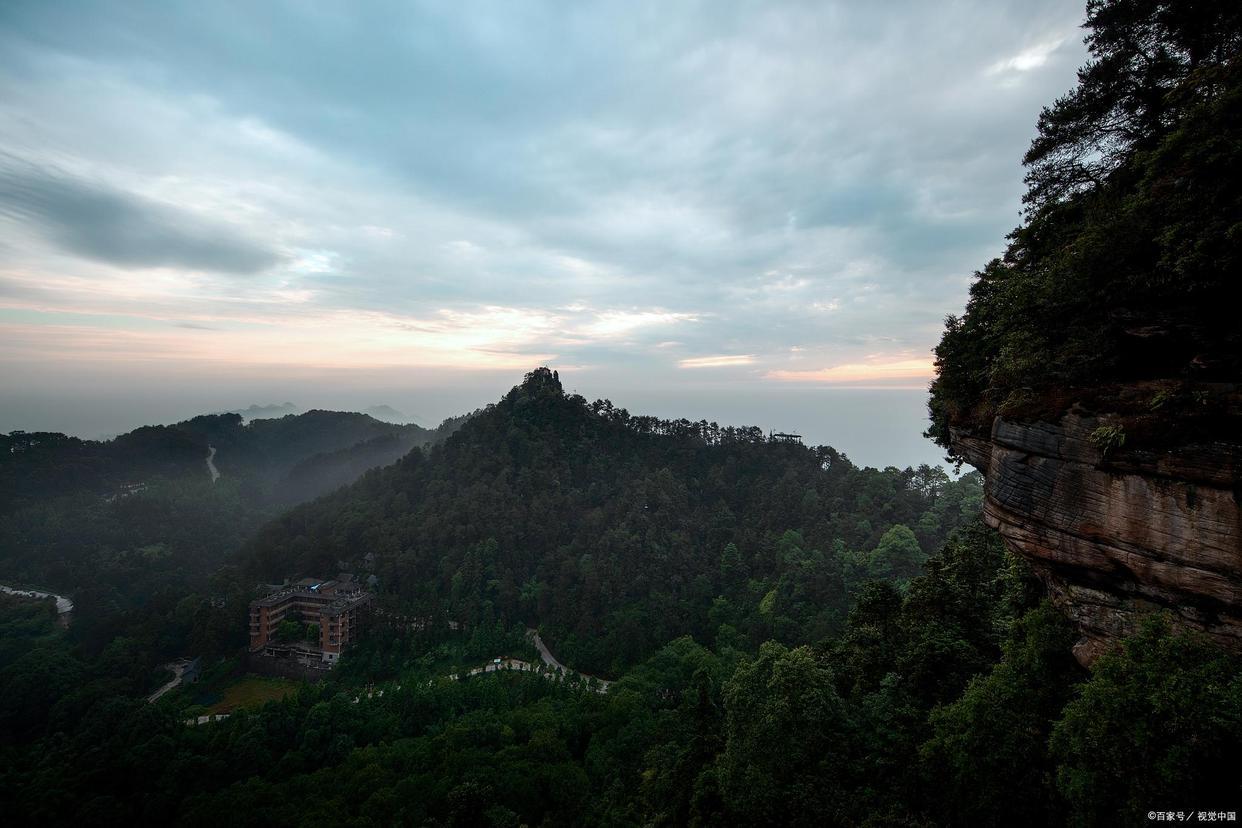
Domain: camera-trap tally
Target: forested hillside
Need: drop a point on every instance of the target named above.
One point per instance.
(618, 533)
(136, 530)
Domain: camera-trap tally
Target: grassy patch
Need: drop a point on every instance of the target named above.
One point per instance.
(252, 691)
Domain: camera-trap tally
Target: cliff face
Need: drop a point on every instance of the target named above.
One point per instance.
(1115, 537)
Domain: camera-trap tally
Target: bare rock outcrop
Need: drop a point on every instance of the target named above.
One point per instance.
(1115, 537)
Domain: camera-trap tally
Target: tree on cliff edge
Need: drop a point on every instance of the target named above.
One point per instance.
(1125, 266)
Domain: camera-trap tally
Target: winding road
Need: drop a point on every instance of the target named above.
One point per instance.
(544, 652)
(63, 604)
(550, 660)
(211, 464)
(178, 669)
(495, 665)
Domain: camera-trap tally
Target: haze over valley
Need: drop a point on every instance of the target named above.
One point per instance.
(880, 427)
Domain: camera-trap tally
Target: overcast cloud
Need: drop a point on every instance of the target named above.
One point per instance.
(681, 195)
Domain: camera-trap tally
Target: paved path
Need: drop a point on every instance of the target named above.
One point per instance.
(550, 660)
(498, 664)
(178, 669)
(492, 666)
(63, 604)
(211, 464)
(544, 652)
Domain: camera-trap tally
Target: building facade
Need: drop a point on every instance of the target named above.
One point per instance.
(340, 609)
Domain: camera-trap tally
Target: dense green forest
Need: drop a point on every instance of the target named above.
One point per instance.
(619, 533)
(953, 700)
(793, 639)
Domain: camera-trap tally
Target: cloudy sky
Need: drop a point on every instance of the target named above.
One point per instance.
(682, 206)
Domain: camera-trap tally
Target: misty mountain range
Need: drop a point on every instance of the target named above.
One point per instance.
(384, 413)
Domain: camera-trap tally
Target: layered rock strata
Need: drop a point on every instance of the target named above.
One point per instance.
(1116, 537)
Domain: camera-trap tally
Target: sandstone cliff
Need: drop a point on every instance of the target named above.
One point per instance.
(1118, 534)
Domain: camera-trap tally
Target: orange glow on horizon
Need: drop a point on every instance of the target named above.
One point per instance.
(869, 371)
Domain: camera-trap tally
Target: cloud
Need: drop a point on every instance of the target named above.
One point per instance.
(636, 186)
(723, 361)
(875, 370)
(90, 219)
(1030, 58)
(616, 323)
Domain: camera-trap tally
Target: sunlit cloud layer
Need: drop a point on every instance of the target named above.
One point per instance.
(717, 361)
(868, 371)
(770, 193)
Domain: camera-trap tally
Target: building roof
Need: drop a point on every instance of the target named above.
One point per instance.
(330, 594)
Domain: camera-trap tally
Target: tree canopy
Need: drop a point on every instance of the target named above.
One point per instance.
(1124, 271)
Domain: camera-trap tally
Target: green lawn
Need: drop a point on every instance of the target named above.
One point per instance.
(252, 691)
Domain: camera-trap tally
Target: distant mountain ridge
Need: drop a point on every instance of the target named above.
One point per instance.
(382, 412)
(387, 414)
(259, 412)
(276, 455)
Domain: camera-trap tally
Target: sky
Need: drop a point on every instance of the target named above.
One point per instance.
(751, 212)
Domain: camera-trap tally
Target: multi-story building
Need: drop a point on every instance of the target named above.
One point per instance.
(340, 609)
